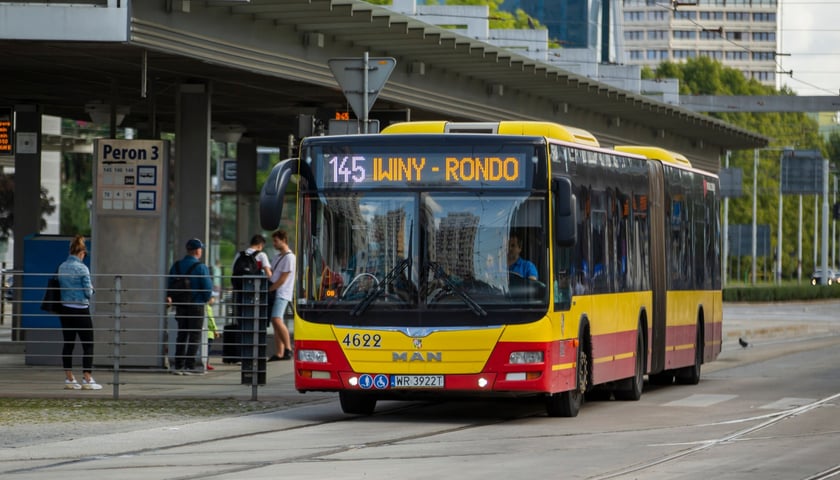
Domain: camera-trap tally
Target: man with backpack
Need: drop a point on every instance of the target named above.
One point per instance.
(251, 261)
(247, 264)
(189, 289)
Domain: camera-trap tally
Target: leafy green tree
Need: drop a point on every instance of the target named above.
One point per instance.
(832, 149)
(76, 194)
(704, 76)
(7, 206)
(498, 18)
(75, 210)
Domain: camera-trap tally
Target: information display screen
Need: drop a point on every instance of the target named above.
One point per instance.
(6, 129)
(395, 168)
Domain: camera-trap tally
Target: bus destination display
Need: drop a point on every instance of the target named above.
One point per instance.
(378, 170)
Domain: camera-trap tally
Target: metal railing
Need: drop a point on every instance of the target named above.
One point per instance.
(135, 333)
(70, 3)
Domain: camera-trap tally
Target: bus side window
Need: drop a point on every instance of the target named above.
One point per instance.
(563, 281)
(562, 289)
(580, 267)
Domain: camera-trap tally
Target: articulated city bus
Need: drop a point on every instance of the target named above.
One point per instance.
(503, 259)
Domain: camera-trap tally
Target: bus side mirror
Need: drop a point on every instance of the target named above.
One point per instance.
(565, 213)
(273, 191)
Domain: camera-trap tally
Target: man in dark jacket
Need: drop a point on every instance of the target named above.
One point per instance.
(190, 314)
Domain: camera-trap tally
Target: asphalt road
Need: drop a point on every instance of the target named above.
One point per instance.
(766, 411)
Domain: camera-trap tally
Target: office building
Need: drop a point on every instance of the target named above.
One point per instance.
(741, 34)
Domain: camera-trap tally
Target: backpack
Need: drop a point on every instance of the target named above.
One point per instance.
(180, 288)
(245, 265)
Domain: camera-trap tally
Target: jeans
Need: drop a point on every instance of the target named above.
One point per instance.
(76, 321)
(279, 307)
(190, 319)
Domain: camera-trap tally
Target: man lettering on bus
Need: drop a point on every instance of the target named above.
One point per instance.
(517, 264)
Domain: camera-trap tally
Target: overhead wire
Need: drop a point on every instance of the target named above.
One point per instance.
(719, 30)
(674, 5)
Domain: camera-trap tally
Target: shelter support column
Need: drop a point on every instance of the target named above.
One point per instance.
(27, 175)
(27, 187)
(247, 195)
(192, 166)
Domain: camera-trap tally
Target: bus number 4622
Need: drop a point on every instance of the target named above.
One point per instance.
(363, 340)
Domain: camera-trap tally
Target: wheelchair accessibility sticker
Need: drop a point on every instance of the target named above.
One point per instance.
(379, 381)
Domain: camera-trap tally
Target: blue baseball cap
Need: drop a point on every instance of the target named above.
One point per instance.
(194, 244)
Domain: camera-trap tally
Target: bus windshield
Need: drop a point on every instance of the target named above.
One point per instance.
(426, 252)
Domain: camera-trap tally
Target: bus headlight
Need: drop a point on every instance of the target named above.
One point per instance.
(526, 357)
(316, 356)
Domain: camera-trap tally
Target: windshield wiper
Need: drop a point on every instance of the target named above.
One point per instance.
(441, 274)
(371, 295)
(390, 277)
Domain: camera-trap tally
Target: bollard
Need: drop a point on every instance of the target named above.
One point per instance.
(251, 315)
(255, 350)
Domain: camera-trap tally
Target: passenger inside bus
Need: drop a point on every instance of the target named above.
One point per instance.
(562, 288)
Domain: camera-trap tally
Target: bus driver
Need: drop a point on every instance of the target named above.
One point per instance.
(516, 264)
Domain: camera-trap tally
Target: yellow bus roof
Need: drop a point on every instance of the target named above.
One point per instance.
(436, 126)
(540, 129)
(655, 153)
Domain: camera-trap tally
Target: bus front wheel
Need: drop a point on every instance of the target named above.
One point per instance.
(567, 404)
(356, 403)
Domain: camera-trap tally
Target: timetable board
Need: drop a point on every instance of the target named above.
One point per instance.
(130, 176)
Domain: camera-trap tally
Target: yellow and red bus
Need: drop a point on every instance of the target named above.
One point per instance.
(403, 285)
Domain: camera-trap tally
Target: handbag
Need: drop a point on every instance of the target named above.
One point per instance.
(52, 296)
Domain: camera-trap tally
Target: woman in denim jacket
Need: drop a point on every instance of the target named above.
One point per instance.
(76, 290)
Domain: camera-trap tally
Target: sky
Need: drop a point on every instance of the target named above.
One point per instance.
(810, 33)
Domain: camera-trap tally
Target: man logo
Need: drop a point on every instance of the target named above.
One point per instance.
(417, 357)
(418, 343)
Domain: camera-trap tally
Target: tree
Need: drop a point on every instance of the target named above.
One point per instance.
(498, 18)
(7, 206)
(704, 76)
(832, 149)
(75, 209)
(76, 193)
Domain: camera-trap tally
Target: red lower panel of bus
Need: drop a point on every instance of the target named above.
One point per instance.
(613, 356)
(680, 344)
(555, 374)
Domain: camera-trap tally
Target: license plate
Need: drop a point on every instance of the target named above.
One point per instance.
(416, 381)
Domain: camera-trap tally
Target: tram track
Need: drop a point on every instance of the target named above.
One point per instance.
(708, 444)
(241, 467)
(47, 463)
(481, 436)
(317, 456)
(833, 472)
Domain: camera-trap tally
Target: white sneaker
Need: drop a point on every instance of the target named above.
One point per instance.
(91, 385)
(71, 384)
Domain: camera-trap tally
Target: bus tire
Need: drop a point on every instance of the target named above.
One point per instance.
(598, 394)
(631, 388)
(567, 404)
(691, 375)
(357, 404)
